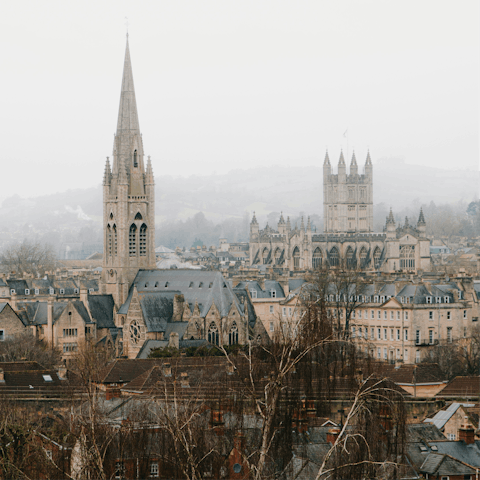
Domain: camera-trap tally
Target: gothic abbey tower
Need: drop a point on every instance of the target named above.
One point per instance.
(128, 200)
(348, 199)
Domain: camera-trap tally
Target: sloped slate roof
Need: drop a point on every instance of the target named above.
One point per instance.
(101, 307)
(18, 285)
(443, 416)
(82, 311)
(263, 292)
(37, 311)
(461, 387)
(204, 287)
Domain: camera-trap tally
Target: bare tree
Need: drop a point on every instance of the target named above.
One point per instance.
(30, 257)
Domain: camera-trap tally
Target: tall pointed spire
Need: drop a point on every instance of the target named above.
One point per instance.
(353, 165)
(390, 218)
(342, 160)
(421, 218)
(106, 175)
(369, 160)
(127, 113)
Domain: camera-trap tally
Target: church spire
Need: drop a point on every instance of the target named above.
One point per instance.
(353, 165)
(327, 159)
(127, 113)
(421, 218)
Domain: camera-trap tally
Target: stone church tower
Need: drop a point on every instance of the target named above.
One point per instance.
(128, 200)
(348, 199)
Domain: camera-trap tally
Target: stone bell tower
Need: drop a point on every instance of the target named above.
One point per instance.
(128, 200)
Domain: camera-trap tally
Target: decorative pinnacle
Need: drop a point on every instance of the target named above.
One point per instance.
(254, 219)
(421, 218)
(390, 218)
(327, 160)
(369, 160)
(354, 160)
(342, 160)
(309, 226)
(282, 220)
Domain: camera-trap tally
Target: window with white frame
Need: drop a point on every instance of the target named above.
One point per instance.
(429, 299)
(62, 291)
(359, 314)
(398, 334)
(430, 315)
(373, 314)
(392, 315)
(51, 291)
(273, 294)
(284, 311)
(353, 313)
(417, 356)
(405, 336)
(385, 353)
(398, 315)
(379, 352)
(353, 332)
(375, 299)
(385, 336)
(379, 333)
(75, 290)
(406, 315)
(372, 333)
(119, 470)
(451, 436)
(271, 308)
(37, 291)
(154, 470)
(430, 336)
(272, 328)
(447, 299)
(417, 336)
(391, 334)
(385, 315)
(379, 314)
(360, 332)
(405, 355)
(27, 291)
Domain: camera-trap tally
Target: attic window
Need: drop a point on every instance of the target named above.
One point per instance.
(434, 448)
(51, 291)
(62, 291)
(429, 299)
(12, 291)
(27, 291)
(423, 448)
(166, 284)
(447, 299)
(75, 290)
(156, 284)
(200, 285)
(47, 378)
(211, 285)
(273, 293)
(90, 290)
(224, 285)
(191, 285)
(37, 291)
(146, 285)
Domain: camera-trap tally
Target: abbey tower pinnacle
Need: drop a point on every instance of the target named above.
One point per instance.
(128, 200)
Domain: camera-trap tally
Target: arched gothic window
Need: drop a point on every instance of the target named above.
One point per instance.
(334, 257)
(265, 255)
(296, 258)
(132, 240)
(213, 334)
(363, 257)
(138, 216)
(317, 258)
(277, 256)
(109, 240)
(350, 258)
(143, 240)
(233, 335)
(115, 240)
(407, 257)
(135, 159)
(376, 257)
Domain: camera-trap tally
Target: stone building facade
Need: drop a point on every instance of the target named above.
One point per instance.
(348, 232)
(128, 200)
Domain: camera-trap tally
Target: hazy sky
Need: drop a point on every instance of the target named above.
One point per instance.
(222, 85)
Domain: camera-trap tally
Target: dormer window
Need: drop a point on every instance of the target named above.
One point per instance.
(166, 284)
(37, 291)
(447, 299)
(375, 299)
(273, 294)
(382, 299)
(253, 293)
(75, 290)
(27, 291)
(191, 285)
(90, 290)
(12, 291)
(62, 291)
(438, 299)
(429, 299)
(51, 291)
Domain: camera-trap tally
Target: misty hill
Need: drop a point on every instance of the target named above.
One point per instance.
(293, 190)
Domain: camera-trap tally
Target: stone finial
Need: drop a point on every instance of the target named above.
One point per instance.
(327, 159)
(282, 220)
(369, 160)
(390, 218)
(354, 160)
(108, 172)
(289, 227)
(341, 162)
(421, 218)
(302, 225)
(309, 226)
(254, 220)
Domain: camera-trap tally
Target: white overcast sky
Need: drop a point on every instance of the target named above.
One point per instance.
(222, 85)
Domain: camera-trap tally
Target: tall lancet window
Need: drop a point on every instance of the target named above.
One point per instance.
(143, 240)
(132, 240)
(233, 335)
(135, 159)
(109, 240)
(115, 240)
(213, 334)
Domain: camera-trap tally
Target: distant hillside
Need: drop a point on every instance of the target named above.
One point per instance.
(292, 190)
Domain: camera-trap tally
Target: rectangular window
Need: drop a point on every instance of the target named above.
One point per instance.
(451, 436)
(417, 356)
(405, 355)
(359, 314)
(379, 314)
(366, 314)
(385, 315)
(353, 332)
(273, 293)
(37, 291)
(284, 311)
(398, 315)
(119, 470)
(379, 333)
(385, 337)
(406, 315)
(253, 293)
(430, 315)
(385, 353)
(154, 469)
(464, 332)
(464, 314)
(448, 316)
(271, 308)
(373, 314)
(392, 315)
(271, 327)
(379, 352)
(27, 291)
(417, 336)
(2, 335)
(391, 334)
(449, 334)
(430, 337)
(353, 313)
(406, 334)
(398, 334)
(290, 311)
